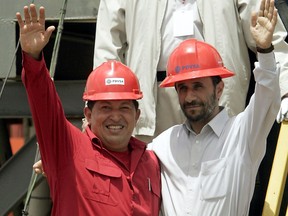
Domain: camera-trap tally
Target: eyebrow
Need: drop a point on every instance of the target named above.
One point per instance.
(194, 83)
(124, 102)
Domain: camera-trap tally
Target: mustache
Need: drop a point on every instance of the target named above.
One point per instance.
(192, 103)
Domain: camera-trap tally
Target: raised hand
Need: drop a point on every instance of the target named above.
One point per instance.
(33, 36)
(263, 24)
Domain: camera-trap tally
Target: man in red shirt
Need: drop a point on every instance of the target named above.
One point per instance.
(103, 170)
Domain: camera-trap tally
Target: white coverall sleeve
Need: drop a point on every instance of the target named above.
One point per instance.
(110, 36)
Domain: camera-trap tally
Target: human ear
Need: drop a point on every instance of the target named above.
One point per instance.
(87, 113)
(219, 89)
(138, 112)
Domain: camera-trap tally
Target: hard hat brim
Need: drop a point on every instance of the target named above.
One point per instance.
(112, 96)
(171, 80)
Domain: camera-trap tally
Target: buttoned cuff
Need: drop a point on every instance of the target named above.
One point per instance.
(267, 61)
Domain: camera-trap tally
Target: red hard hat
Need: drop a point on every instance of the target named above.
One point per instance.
(194, 59)
(112, 80)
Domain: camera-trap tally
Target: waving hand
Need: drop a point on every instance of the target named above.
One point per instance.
(33, 36)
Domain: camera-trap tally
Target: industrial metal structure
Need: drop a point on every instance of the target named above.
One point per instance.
(75, 62)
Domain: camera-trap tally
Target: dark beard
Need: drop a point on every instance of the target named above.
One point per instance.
(205, 113)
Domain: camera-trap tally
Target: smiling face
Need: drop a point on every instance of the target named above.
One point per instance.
(198, 99)
(113, 122)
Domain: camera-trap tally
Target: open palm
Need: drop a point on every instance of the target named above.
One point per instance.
(263, 24)
(33, 36)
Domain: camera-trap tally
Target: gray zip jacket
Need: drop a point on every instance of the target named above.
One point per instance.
(132, 28)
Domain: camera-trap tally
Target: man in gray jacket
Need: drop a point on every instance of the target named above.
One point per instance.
(143, 34)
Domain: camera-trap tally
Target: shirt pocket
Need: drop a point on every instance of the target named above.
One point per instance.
(214, 179)
(155, 188)
(102, 173)
(152, 173)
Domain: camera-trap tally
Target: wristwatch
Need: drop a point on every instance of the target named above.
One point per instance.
(266, 50)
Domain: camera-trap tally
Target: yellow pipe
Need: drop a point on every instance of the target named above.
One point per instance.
(278, 175)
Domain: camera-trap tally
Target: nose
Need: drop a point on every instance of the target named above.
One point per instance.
(115, 116)
(190, 96)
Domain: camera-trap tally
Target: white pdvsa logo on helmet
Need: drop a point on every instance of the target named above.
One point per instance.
(114, 81)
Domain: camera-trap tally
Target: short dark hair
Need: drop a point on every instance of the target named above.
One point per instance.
(216, 80)
(90, 104)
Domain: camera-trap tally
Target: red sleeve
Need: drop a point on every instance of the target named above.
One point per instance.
(53, 131)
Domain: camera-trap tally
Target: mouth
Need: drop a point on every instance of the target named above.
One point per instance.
(115, 127)
(192, 107)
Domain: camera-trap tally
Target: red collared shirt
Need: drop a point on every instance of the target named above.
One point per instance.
(84, 178)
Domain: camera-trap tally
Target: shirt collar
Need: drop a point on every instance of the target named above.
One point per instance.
(217, 124)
